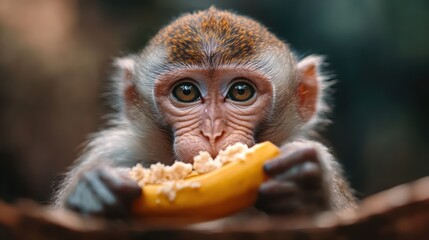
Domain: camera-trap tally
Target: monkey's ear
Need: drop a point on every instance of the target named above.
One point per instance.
(124, 78)
(309, 88)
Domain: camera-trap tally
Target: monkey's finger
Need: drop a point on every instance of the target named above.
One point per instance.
(292, 204)
(284, 162)
(315, 198)
(275, 188)
(119, 184)
(99, 187)
(280, 205)
(311, 176)
(307, 174)
(83, 200)
(113, 204)
(123, 188)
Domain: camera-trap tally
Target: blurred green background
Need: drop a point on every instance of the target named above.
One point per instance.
(55, 58)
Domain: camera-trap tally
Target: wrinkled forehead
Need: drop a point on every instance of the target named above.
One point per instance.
(213, 38)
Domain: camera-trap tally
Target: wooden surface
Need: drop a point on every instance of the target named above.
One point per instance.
(399, 213)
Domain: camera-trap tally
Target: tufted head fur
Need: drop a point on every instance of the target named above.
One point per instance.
(216, 38)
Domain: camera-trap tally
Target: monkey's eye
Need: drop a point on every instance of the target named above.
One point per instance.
(186, 92)
(241, 92)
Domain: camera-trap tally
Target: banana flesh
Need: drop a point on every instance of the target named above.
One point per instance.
(219, 193)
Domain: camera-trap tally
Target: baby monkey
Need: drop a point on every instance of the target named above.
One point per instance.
(206, 81)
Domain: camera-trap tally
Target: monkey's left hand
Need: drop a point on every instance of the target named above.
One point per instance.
(296, 182)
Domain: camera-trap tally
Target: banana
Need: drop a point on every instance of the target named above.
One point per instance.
(219, 193)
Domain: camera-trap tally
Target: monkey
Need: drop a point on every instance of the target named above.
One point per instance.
(208, 80)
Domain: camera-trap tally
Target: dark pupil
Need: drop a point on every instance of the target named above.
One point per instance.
(187, 89)
(241, 89)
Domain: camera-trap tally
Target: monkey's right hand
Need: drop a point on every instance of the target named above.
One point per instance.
(103, 191)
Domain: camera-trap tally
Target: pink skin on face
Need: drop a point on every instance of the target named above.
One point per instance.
(214, 121)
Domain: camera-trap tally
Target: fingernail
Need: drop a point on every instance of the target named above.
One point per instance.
(267, 167)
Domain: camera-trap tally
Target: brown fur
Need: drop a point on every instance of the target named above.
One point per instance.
(215, 37)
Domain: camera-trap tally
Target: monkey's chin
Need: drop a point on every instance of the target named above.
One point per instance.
(186, 150)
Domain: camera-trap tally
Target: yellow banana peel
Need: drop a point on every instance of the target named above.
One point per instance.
(222, 192)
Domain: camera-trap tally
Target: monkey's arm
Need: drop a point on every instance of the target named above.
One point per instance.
(305, 178)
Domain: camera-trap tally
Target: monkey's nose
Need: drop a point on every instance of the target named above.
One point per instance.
(213, 136)
(213, 129)
(213, 139)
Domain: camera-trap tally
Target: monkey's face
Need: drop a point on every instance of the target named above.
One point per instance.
(216, 79)
(211, 109)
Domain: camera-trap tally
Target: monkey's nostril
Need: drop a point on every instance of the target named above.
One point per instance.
(218, 135)
(204, 134)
